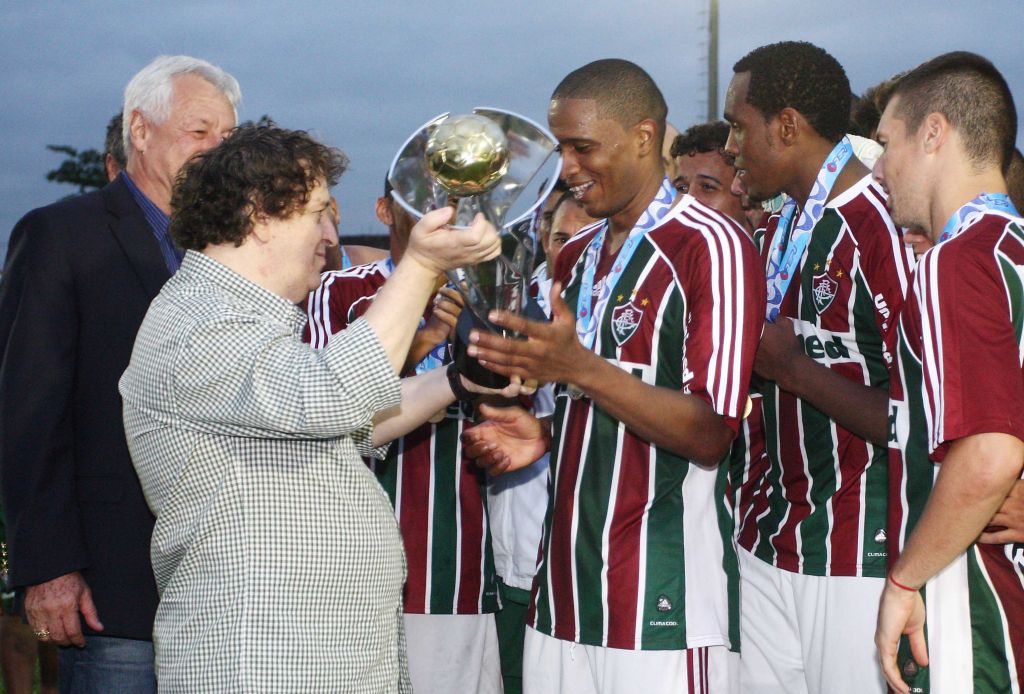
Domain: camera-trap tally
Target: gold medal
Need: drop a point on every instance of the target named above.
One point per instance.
(748, 407)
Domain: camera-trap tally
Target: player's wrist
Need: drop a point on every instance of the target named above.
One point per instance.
(420, 264)
(901, 584)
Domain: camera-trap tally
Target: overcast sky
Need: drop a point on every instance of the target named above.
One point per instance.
(363, 75)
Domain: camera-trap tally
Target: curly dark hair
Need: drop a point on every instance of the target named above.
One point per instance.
(701, 138)
(257, 169)
(801, 76)
(973, 96)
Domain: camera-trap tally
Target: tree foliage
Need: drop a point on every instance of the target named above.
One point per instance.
(84, 169)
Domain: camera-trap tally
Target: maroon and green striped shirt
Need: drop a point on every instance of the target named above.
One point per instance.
(637, 551)
(960, 372)
(824, 506)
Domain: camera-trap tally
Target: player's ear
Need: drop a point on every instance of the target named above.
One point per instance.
(646, 132)
(384, 212)
(789, 122)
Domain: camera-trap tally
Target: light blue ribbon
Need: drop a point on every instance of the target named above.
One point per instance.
(986, 202)
(788, 248)
(588, 319)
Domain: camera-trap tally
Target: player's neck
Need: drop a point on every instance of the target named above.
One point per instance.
(810, 166)
(621, 223)
(954, 191)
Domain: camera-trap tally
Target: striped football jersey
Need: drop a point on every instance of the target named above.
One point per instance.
(960, 372)
(438, 495)
(635, 551)
(824, 505)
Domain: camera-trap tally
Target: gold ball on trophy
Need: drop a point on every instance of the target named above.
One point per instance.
(467, 155)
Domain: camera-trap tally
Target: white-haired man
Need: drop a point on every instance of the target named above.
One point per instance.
(78, 279)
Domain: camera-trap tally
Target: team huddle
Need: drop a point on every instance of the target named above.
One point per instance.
(768, 439)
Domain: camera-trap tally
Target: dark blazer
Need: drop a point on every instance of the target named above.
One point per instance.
(79, 277)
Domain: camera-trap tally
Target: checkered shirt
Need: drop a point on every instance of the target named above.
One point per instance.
(277, 556)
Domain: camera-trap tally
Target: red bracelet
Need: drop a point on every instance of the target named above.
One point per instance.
(900, 585)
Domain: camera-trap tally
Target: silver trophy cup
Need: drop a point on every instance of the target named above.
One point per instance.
(484, 162)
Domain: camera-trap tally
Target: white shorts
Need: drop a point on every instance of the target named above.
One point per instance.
(807, 634)
(453, 653)
(554, 666)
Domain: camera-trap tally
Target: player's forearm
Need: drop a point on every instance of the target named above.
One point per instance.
(683, 424)
(396, 310)
(856, 407)
(974, 479)
(422, 396)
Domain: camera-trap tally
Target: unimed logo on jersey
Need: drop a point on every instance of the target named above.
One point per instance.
(817, 348)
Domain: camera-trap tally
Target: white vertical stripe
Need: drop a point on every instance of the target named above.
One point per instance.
(903, 432)
(931, 356)
(728, 284)
(430, 520)
(782, 485)
(573, 572)
(948, 617)
(899, 248)
(606, 532)
(457, 473)
(806, 460)
(722, 266)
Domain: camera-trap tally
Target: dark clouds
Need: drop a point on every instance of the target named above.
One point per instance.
(363, 75)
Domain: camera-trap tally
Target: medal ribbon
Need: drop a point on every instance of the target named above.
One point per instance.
(588, 317)
(788, 248)
(962, 218)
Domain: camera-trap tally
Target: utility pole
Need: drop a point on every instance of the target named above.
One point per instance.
(713, 114)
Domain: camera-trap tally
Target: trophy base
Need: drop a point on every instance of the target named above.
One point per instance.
(468, 366)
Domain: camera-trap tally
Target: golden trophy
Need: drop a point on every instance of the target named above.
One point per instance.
(482, 162)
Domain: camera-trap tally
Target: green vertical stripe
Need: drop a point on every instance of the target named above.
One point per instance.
(666, 570)
(444, 527)
(988, 645)
(595, 483)
(876, 477)
(818, 436)
(768, 524)
(919, 470)
(665, 543)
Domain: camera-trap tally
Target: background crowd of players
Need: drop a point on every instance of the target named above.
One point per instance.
(686, 532)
